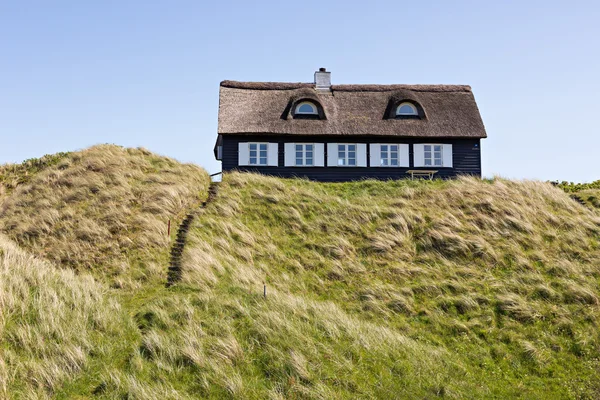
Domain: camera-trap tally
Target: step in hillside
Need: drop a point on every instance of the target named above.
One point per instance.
(175, 269)
(578, 199)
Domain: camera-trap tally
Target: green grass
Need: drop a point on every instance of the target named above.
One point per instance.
(588, 193)
(461, 289)
(51, 322)
(408, 289)
(590, 197)
(101, 213)
(571, 187)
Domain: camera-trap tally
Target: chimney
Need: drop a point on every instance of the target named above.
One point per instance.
(322, 79)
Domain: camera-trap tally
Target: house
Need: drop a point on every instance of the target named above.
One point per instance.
(328, 132)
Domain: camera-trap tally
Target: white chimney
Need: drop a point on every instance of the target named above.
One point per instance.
(322, 79)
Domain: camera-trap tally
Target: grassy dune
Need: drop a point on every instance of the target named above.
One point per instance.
(104, 209)
(403, 289)
(411, 289)
(94, 217)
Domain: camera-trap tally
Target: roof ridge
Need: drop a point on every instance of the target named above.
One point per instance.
(392, 87)
(346, 87)
(266, 85)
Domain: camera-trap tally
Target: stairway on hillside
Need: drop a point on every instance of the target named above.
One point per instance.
(175, 271)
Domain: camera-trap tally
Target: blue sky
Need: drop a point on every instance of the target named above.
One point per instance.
(147, 73)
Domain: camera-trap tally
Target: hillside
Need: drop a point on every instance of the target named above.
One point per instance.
(461, 289)
(410, 289)
(50, 322)
(104, 209)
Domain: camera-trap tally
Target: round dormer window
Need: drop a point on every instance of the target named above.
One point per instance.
(306, 108)
(405, 109)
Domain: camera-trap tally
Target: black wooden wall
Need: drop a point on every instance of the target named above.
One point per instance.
(466, 158)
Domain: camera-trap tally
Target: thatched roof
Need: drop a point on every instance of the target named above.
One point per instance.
(266, 108)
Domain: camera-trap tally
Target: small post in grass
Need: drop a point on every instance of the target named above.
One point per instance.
(169, 228)
(264, 290)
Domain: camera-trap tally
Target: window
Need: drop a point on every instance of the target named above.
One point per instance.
(435, 155)
(306, 108)
(389, 155)
(405, 109)
(304, 154)
(347, 155)
(258, 153)
(432, 155)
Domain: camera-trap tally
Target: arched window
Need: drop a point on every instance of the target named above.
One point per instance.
(406, 109)
(306, 108)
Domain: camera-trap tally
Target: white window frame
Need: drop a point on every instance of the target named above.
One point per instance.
(258, 156)
(412, 107)
(432, 157)
(389, 155)
(447, 154)
(333, 158)
(303, 158)
(314, 111)
(289, 158)
(346, 158)
(244, 154)
(376, 153)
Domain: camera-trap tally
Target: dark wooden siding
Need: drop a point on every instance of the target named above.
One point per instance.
(466, 158)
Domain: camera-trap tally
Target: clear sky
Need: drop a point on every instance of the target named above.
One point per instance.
(147, 73)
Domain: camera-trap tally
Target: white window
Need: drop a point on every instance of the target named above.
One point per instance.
(306, 108)
(346, 155)
(258, 153)
(432, 155)
(305, 154)
(389, 155)
(394, 155)
(406, 109)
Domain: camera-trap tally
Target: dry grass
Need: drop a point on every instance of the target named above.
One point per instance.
(105, 208)
(475, 268)
(458, 289)
(295, 345)
(50, 321)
